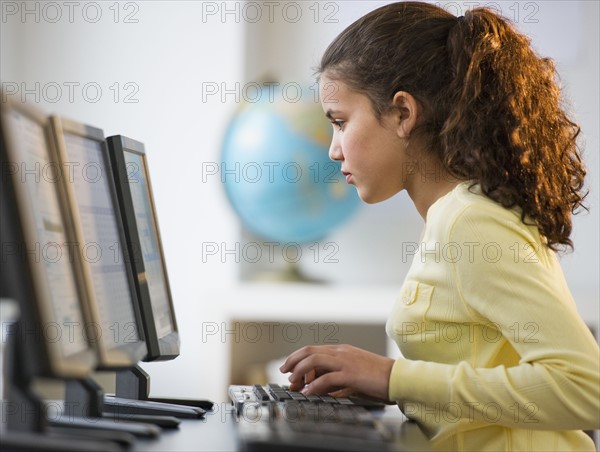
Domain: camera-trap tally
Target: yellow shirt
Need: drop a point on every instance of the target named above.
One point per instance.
(496, 356)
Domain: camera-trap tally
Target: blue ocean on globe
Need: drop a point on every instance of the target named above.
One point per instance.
(277, 173)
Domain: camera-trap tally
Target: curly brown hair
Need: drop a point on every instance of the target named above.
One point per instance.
(493, 108)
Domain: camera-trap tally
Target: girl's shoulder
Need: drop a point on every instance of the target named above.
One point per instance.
(467, 210)
(463, 200)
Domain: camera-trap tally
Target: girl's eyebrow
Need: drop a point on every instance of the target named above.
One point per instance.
(330, 113)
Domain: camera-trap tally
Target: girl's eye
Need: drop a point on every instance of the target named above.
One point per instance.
(339, 124)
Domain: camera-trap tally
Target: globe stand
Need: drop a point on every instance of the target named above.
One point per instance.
(290, 273)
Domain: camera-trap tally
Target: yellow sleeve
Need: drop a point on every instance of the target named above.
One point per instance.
(518, 285)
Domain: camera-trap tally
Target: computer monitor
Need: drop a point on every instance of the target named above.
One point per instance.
(130, 168)
(91, 196)
(39, 266)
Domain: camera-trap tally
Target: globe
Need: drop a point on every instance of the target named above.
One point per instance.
(277, 173)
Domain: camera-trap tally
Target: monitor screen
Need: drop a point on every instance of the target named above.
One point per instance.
(143, 238)
(98, 226)
(39, 239)
(147, 231)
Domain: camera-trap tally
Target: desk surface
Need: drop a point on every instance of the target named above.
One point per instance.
(218, 433)
(214, 433)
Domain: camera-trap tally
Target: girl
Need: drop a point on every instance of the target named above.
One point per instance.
(462, 114)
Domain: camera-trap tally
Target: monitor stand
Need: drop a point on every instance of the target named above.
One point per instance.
(132, 397)
(84, 408)
(27, 426)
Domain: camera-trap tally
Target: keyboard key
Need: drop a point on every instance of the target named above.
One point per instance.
(281, 395)
(260, 393)
(313, 398)
(297, 395)
(328, 399)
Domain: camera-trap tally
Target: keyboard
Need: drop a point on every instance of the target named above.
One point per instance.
(274, 418)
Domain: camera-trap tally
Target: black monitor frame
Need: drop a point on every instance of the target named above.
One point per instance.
(167, 347)
(24, 274)
(128, 354)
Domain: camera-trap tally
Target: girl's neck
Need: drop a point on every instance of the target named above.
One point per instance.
(429, 184)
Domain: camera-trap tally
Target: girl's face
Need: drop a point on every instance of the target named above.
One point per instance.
(372, 153)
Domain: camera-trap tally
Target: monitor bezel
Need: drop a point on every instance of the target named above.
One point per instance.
(32, 292)
(128, 354)
(167, 347)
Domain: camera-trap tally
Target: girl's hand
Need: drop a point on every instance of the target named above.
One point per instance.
(328, 368)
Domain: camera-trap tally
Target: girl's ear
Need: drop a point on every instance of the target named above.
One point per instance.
(407, 111)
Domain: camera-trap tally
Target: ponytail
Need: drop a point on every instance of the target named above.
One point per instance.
(506, 128)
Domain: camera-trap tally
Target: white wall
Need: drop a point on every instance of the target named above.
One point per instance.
(169, 55)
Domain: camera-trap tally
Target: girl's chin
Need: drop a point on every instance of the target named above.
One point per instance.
(372, 198)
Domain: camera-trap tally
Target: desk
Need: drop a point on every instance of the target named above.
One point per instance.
(214, 433)
(217, 433)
